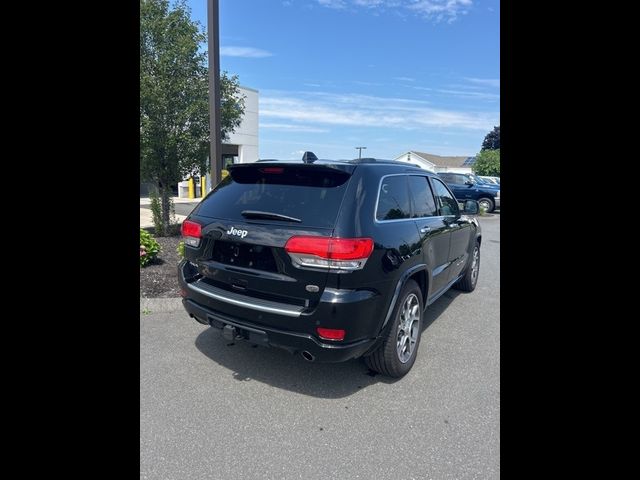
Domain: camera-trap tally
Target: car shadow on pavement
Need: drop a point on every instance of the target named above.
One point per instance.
(280, 369)
(438, 307)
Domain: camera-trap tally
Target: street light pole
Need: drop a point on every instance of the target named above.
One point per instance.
(360, 151)
(215, 152)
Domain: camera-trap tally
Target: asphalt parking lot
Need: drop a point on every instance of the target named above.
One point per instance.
(211, 410)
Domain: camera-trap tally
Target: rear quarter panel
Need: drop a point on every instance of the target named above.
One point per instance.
(397, 244)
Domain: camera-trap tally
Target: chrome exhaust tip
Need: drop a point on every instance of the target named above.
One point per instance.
(307, 356)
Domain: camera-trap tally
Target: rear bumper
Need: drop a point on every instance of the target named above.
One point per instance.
(294, 342)
(270, 324)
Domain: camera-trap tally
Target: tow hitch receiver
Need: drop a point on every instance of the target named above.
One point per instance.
(232, 333)
(229, 333)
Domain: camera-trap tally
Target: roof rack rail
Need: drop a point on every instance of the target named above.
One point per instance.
(365, 160)
(379, 160)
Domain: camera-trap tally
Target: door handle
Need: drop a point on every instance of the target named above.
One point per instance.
(426, 229)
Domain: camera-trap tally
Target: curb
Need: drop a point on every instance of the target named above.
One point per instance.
(160, 305)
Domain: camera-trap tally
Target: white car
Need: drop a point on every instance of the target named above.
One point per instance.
(495, 180)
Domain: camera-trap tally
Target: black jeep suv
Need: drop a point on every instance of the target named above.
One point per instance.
(333, 260)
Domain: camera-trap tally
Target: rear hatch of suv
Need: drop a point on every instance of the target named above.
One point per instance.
(247, 220)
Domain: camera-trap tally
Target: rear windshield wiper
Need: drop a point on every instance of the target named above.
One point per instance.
(269, 215)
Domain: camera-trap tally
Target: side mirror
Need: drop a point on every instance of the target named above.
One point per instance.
(471, 207)
(468, 182)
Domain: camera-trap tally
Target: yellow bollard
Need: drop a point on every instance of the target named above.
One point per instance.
(203, 185)
(192, 188)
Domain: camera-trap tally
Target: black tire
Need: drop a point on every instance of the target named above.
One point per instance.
(491, 204)
(470, 279)
(387, 358)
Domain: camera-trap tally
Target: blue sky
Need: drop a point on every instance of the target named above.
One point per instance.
(391, 75)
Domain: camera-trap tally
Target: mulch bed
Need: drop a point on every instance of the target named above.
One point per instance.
(159, 279)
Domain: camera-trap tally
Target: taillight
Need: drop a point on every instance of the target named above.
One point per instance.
(340, 254)
(191, 233)
(331, 333)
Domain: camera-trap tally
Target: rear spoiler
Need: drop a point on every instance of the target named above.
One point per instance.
(347, 168)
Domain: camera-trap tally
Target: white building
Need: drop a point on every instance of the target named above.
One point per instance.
(437, 163)
(242, 146)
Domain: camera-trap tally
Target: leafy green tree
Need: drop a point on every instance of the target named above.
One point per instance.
(492, 140)
(174, 98)
(487, 163)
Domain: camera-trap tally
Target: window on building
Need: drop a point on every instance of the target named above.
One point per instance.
(228, 160)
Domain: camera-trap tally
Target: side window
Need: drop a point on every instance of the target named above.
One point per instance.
(460, 179)
(446, 177)
(448, 205)
(393, 199)
(423, 202)
(452, 179)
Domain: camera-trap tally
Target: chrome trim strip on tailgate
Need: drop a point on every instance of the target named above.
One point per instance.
(243, 301)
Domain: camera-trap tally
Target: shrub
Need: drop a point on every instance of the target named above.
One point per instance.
(156, 211)
(149, 248)
(180, 249)
(160, 229)
(487, 163)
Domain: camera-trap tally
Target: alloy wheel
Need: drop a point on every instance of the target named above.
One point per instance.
(408, 328)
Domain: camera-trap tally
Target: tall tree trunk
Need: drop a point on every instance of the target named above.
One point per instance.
(165, 193)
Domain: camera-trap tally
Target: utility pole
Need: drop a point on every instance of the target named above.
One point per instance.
(215, 152)
(360, 151)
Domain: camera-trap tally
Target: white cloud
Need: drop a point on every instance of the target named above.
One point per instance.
(368, 84)
(293, 128)
(439, 10)
(369, 3)
(368, 111)
(478, 91)
(246, 52)
(405, 79)
(490, 82)
(468, 93)
(436, 10)
(332, 3)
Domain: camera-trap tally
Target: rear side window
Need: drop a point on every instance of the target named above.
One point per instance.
(393, 198)
(313, 195)
(423, 202)
(446, 202)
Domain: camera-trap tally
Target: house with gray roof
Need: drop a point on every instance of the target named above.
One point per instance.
(437, 163)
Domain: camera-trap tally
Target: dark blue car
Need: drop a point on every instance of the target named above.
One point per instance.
(467, 186)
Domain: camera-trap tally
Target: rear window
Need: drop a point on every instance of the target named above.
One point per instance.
(310, 194)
